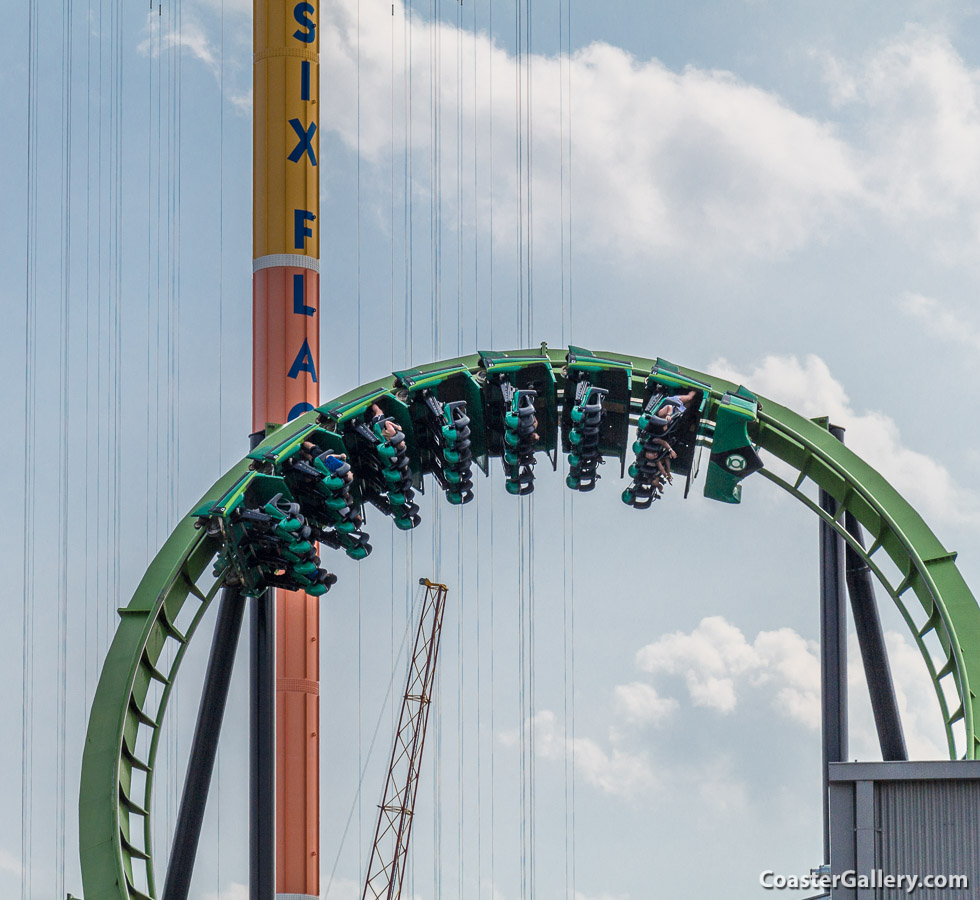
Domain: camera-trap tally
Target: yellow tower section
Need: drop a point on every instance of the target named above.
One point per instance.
(286, 211)
(285, 383)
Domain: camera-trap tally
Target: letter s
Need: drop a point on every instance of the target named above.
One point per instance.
(301, 13)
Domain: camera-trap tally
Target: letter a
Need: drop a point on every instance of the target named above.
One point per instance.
(303, 363)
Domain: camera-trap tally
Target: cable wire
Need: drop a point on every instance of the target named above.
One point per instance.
(30, 429)
(63, 434)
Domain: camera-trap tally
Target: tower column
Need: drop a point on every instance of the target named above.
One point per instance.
(285, 384)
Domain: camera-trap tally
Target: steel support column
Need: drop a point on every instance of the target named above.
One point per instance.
(262, 749)
(833, 650)
(204, 747)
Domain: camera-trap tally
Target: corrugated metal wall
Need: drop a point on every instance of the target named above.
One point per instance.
(904, 819)
(928, 828)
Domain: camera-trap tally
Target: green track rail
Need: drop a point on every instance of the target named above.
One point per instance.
(138, 675)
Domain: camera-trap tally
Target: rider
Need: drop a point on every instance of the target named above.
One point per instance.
(674, 407)
(388, 429)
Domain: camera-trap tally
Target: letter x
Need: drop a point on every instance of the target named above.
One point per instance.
(305, 145)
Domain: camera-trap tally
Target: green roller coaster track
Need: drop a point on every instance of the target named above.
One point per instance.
(138, 675)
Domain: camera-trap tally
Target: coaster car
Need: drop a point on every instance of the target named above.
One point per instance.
(315, 466)
(591, 380)
(377, 427)
(733, 456)
(520, 412)
(447, 415)
(669, 429)
(267, 541)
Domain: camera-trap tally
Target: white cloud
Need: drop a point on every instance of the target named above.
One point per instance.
(9, 863)
(941, 322)
(808, 387)
(234, 891)
(199, 37)
(231, 7)
(695, 160)
(640, 703)
(719, 665)
(191, 37)
(720, 789)
(716, 661)
(241, 101)
(925, 120)
(919, 105)
(615, 771)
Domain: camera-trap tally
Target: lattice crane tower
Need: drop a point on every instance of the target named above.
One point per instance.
(386, 870)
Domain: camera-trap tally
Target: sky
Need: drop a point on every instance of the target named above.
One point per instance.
(782, 194)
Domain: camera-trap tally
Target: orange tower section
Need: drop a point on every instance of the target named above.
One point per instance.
(285, 383)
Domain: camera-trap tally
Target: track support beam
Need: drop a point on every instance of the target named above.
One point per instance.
(204, 747)
(871, 640)
(877, 671)
(833, 650)
(262, 748)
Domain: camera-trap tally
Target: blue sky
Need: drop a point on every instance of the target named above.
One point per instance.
(788, 194)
